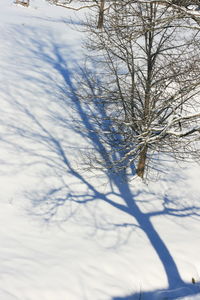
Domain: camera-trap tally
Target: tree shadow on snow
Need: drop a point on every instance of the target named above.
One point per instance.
(46, 133)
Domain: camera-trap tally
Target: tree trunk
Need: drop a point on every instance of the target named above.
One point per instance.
(101, 14)
(142, 162)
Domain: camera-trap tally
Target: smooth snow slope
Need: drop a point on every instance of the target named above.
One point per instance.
(67, 234)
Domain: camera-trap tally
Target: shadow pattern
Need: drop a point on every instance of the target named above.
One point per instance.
(69, 113)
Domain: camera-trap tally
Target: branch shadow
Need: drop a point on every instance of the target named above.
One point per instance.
(51, 131)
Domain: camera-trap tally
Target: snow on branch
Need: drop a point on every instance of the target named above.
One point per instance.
(183, 134)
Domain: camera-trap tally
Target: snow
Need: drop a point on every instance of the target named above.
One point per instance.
(66, 233)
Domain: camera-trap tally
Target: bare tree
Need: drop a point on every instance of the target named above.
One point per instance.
(99, 5)
(103, 6)
(147, 58)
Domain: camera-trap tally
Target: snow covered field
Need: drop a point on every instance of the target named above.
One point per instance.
(65, 233)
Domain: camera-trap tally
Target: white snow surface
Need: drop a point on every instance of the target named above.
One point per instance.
(64, 232)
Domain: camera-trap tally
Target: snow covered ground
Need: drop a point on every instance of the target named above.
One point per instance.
(65, 233)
